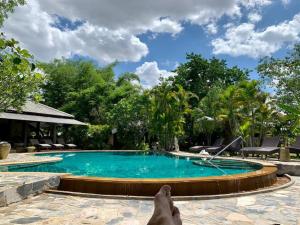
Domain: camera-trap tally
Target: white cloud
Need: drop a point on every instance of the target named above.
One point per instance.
(285, 2)
(255, 3)
(149, 74)
(35, 32)
(254, 17)
(166, 26)
(212, 28)
(244, 39)
(112, 28)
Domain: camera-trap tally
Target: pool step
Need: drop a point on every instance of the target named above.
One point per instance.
(223, 164)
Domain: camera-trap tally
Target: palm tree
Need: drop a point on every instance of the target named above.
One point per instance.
(205, 116)
(169, 107)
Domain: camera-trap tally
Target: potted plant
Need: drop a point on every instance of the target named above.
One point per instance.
(4, 149)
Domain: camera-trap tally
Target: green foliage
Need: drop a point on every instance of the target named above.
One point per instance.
(94, 96)
(293, 117)
(241, 109)
(205, 116)
(284, 76)
(169, 106)
(66, 77)
(198, 75)
(247, 110)
(89, 137)
(18, 78)
(230, 107)
(131, 118)
(97, 136)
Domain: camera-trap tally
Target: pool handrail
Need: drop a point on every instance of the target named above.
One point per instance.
(226, 147)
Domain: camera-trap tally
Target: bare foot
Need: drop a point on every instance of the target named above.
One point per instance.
(165, 213)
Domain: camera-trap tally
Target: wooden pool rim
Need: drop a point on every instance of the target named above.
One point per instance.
(214, 185)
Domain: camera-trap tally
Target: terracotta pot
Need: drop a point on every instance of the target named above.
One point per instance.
(4, 150)
(285, 155)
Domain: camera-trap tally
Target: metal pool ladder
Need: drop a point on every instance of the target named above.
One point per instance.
(222, 150)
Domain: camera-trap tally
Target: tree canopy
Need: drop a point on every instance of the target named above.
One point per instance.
(19, 79)
(284, 76)
(198, 74)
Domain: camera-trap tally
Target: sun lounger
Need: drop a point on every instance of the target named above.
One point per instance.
(68, 145)
(268, 147)
(210, 149)
(38, 145)
(236, 146)
(50, 142)
(295, 148)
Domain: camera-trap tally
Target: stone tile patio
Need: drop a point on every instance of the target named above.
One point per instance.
(15, 187)
(21, 158)
(279, 207)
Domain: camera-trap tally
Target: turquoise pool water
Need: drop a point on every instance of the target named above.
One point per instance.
(131, 165)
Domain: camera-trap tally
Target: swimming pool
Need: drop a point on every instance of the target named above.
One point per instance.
(133, 165)
(142, 173)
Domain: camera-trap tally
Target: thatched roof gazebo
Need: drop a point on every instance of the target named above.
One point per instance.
(17, 126)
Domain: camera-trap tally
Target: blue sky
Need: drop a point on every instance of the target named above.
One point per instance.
(151, 38)
(169, 51)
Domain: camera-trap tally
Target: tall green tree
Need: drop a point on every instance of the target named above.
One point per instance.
(205, 115)
(131, 117)
(198, 74)
(94, 95)
(247, 110)
(66, 77)
(284, 76)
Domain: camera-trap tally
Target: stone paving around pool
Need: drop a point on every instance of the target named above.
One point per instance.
(15, 187)
(279, 207)
(21, 158)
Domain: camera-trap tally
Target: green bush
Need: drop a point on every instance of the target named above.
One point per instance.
(98, 136)
(91, 136)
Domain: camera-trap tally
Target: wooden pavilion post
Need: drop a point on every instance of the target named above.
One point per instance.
(54, 133)
(25, 133)
(38, 127)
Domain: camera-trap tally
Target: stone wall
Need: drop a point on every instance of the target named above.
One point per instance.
(14, 188)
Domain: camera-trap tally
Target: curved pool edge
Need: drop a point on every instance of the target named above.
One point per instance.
(179, 198)
(214, 185)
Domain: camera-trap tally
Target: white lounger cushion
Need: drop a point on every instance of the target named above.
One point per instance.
(58, 145)
(71, 145)
(45, 145)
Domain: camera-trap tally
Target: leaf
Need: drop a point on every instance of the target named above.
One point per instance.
(2, 44)
(25, 53)
(17, 60)
(33, 66)
(289, 109)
